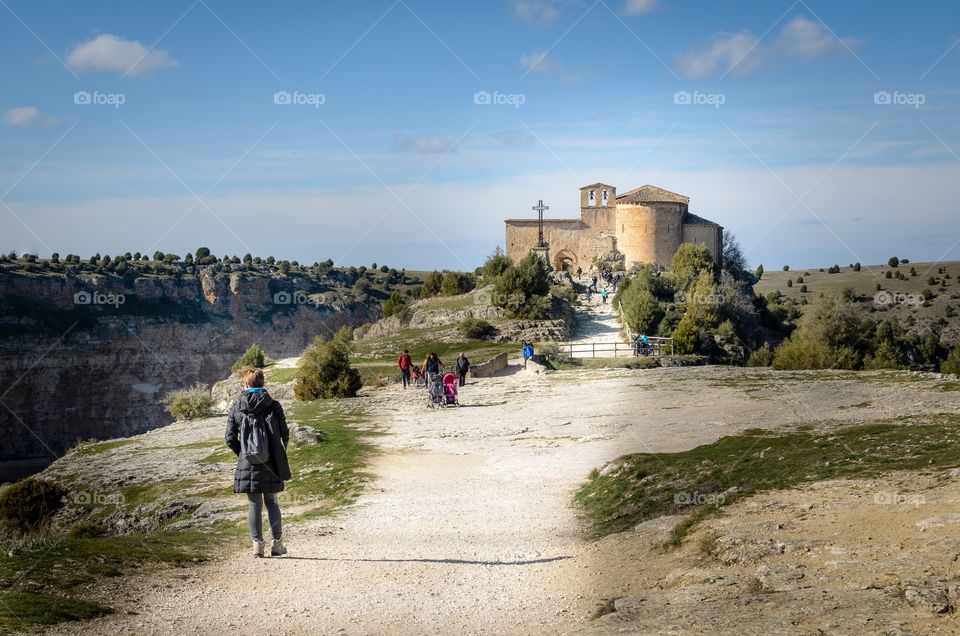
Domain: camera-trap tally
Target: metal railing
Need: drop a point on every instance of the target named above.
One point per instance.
(657, 347)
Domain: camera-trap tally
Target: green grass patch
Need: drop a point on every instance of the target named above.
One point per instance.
(281, 375)
(20, 610)
(643, 486)
(329, 474)
(96, 448)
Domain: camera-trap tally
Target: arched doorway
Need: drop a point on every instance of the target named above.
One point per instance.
(564, 261)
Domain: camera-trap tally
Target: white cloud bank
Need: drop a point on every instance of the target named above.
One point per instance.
(108, 52)
(539, 61)
(636, 7)
(26, 116)
(742, 53)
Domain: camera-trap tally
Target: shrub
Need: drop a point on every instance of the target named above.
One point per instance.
(686, 337)
(431, 285)
(188, 404)
(252, 357)
(894, 262)
(86, 530)
(931, 281)
(641, 311)
(27, 504)
(789, 282)
(952, 363)
(834, 270)
(774, 297)
(324, 371)
(829, 336)
(761, 357)
(455, 283)
(689, 261)
(393, 304)
(856, 267)
(522, 289)
(786, 268)
(885, 357)
(803, 289)
(475, 329)
(495, 265)
(759, 272)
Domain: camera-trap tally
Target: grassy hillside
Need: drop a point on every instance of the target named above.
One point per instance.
(863, 283)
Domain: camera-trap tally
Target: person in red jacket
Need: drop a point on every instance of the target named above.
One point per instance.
(404, 363)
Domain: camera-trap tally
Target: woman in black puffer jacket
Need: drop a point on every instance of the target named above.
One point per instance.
(261, 482)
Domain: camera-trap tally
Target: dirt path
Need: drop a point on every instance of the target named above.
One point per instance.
(598, 324)
(467, 528)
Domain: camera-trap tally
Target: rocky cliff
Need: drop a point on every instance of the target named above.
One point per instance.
(87, 356)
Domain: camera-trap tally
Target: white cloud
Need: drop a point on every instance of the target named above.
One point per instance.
(539, 12)
(539, 61)
(726, 52)
(108, 52)
(424, 143)
(741, 53)
(25, 116)
(636, 7)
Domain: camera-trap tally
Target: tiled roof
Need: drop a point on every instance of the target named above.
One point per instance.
(651, 194)
(693, 219)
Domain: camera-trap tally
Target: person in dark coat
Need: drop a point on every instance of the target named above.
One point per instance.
(260, 482)
(463, 367)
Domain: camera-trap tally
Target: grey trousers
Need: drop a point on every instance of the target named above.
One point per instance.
(255, 515)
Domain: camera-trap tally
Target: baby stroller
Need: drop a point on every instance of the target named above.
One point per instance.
(443, 390)
(450, 389)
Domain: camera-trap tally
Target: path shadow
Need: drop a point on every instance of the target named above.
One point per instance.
(437, 561)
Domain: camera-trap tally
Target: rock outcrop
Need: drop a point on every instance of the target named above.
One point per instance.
(88, 356)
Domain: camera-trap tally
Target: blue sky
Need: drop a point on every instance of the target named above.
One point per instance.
(765, 113)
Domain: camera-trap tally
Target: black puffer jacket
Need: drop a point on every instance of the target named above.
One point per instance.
(269, 477)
